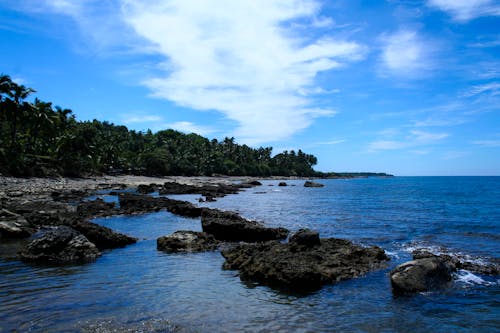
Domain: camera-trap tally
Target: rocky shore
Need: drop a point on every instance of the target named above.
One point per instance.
(54, 216)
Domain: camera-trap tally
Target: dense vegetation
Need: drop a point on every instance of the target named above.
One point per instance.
(37, 138)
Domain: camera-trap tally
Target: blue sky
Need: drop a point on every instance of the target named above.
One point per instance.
(406, 87)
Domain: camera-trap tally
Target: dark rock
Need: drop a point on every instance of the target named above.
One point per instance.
(102, 237)
(133, 204)
(282, 184)
(145, 189)
(481, 267)
(59, 245)
(312, 184)
(253, 183)
(230, 226)
(187, 241)
(13, 225)
(305, 237)
(95, 208)
(301, 267)
(420, 275)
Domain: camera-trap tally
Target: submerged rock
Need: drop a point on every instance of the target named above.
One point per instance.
(230, 226)
(422, 274)
(187, 241)
(303, 265)
(59, 245)
(312, 184)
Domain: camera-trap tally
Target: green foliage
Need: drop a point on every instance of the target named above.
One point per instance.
(40, 139)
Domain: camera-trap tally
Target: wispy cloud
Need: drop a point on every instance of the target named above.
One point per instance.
(414, 138)
(241, 58)
(139, 119)
(189, 127)
(332, 142)
(454, 154)
(465, 10)
(492, 87)
(407, 54)
(487, 143)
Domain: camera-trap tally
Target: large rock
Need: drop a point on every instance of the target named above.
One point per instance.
(303, 267)
(420, 275)
(59, 245)
(133, 204)
(282, 184)
(97, 207)
(230, 226)
(485, 267)
(312, 184)
(102, 237)
(145, 189)
(305, 237)
(187, 241)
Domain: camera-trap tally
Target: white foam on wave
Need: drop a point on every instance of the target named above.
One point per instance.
(469, 278)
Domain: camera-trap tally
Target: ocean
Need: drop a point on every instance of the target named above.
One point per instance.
(138, 288)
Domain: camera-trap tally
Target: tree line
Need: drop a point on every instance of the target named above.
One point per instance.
(40, 139)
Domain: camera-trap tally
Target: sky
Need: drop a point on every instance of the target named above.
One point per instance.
(406, 87)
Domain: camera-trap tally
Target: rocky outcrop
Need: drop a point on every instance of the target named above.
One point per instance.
(458, 262)
(147, 188)
(96, 208)
(136, 204)
(305, 237)
(102, 237)
(282, 184)
(312, 184)
(420, 275)
(230, 226)
(303, 264)
(59, 245)
(187, 241)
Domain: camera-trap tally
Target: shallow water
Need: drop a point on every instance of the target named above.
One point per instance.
(139, 288)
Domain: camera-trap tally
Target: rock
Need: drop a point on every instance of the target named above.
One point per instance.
(102, 237)
(145, 189)
(475, 266)
(288, 266)
(230, 226)
(420, 275)
(282, 184)
(133, 204)
(187, 241)
(95, 208)
(312, 184)
(13, 225)
(306, 238)
(253, 183)
(59, 245)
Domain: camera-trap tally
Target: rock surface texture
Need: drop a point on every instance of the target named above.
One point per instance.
(420, 275)
(187, 241)
(303, 263)
(312, 184)
(59, 245)
(230, 226)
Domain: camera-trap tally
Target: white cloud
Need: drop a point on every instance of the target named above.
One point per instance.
(487, 143)
(493, 88)
(465, 10)
(138, 119)
(406, 54)
(188, 127)
(414, 138)
(239, 58)
(332, 142)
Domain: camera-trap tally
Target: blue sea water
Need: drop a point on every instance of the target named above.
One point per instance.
(138, 288)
